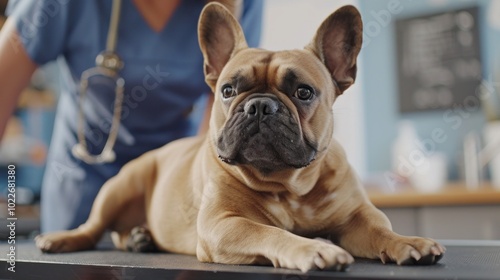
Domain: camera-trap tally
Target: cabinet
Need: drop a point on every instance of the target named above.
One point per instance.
(453, 213)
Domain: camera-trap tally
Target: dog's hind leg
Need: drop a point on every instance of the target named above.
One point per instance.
(133, 215)
(130, 232)
(119, 206)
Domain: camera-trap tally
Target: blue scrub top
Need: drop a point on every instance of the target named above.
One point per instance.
(163, 73)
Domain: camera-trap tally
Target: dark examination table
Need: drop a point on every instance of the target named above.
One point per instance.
(463, 260)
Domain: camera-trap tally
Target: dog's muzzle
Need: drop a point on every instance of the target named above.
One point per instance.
(262, 132)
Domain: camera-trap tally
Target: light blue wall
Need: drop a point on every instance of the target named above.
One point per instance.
(379, 80)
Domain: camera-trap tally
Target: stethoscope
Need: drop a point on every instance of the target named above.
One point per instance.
(108, 63)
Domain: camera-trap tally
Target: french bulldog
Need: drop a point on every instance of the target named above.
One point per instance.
(267, 179)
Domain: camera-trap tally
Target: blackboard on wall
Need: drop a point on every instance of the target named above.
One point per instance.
(438, 60)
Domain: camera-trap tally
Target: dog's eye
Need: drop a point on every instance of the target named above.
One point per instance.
(228, 91)
(304, 93)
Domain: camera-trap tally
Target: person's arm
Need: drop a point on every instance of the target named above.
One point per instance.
(16, 69)
(206, 116)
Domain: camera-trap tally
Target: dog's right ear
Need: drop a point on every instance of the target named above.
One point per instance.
(220, 36)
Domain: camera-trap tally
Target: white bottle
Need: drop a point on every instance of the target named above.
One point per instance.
(425, 170)
(403, 164)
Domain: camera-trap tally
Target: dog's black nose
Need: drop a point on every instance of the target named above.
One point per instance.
(261, 106)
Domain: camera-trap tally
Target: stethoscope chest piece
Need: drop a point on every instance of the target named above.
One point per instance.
(80, 149)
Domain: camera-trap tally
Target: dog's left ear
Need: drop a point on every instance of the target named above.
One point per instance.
(220, 37)
(337, 44)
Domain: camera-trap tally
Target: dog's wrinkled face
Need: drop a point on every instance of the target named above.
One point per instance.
(273, 110)
(269, 102)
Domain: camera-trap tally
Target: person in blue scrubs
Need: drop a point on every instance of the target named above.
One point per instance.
(163, 73)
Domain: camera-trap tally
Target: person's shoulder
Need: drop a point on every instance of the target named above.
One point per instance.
(46, 9)
(44, 26)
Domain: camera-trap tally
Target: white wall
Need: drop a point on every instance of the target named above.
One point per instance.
(291, 24)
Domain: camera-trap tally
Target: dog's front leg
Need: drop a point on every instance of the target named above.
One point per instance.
(369, 234)
(237, 240)
(234, 229)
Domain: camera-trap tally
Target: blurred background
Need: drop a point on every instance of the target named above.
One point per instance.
(421, 125)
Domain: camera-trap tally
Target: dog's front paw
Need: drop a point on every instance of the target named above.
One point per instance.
(318, 255)
(64, 241)
(413, 251)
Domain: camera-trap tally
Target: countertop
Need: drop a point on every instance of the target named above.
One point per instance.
(463, 260)
(453, 194)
